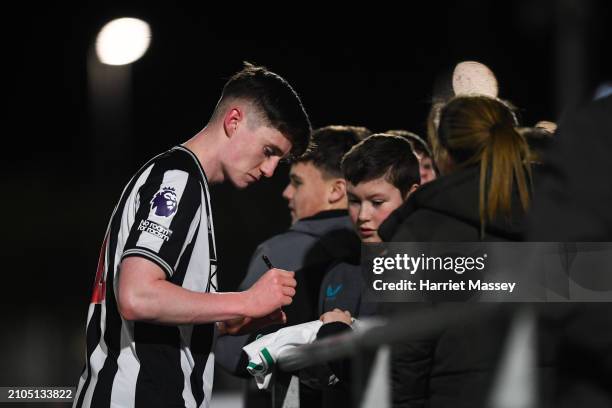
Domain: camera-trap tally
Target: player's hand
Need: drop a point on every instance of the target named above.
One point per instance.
(272, 291)
(336, 315)
(244, 325)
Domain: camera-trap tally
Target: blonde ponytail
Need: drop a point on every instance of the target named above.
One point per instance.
(481, 130)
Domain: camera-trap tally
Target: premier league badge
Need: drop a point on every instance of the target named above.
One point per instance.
(164, 202)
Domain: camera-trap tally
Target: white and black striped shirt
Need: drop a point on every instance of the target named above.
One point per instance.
(164, 216)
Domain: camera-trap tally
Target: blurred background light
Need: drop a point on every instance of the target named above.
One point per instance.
(123, 41)
(603, 90)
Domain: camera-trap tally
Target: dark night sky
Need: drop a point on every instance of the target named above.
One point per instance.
(370, 66)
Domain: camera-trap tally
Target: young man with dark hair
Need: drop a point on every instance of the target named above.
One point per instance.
(319, 235)
(154, 304)
(316, 183)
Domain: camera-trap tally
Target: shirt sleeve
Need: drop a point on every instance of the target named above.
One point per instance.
(168, 212)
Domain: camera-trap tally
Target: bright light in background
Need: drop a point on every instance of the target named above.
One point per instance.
(123, 41)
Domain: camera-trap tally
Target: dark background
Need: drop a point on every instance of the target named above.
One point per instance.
(64, 162)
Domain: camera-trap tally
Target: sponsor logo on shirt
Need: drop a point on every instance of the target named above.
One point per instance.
(164, 202)
(155, 229)
(331, 292)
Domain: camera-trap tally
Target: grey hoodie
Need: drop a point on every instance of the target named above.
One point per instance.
(309, 247)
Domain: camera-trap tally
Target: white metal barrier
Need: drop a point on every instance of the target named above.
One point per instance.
(514, 387)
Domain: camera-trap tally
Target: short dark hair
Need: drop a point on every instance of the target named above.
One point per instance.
(276, 100)
(329, 144)
(419, 146)
(382, 155)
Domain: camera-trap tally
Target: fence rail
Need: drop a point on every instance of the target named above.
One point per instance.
(376, 334)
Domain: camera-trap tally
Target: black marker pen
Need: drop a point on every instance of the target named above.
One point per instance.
(267, 261)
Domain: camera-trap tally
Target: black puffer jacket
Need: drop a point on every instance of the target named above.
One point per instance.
(447, 210)
(456, 366)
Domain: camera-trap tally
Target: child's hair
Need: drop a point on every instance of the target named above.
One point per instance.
(329, 144)
(382, 155)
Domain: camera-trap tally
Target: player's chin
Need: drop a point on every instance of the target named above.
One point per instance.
(240, 183)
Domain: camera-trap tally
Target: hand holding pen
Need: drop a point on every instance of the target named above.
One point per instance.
(272, 291)
(264, 301)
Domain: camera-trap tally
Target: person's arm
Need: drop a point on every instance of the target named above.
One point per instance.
(336, 315)
(228, 349)
(145, 294)
(320, 376)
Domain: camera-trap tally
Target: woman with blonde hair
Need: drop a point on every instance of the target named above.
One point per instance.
(483, 194)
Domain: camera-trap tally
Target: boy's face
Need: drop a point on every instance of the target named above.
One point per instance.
(370, 203)
(307, 191)
(253, 153)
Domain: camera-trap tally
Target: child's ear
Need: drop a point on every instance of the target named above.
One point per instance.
(338, 190)
(412, 190)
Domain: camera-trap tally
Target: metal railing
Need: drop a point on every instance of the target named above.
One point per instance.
(514, 386)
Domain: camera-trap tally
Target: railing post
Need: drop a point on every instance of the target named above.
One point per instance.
(285, 390)
(378, 390)
(515, 384)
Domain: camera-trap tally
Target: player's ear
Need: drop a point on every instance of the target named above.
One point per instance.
(231, 120)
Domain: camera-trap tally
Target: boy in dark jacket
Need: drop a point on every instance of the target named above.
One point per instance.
(381, 172)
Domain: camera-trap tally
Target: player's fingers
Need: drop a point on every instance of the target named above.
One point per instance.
(288, 291)
(284, 273)
(289, 281)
